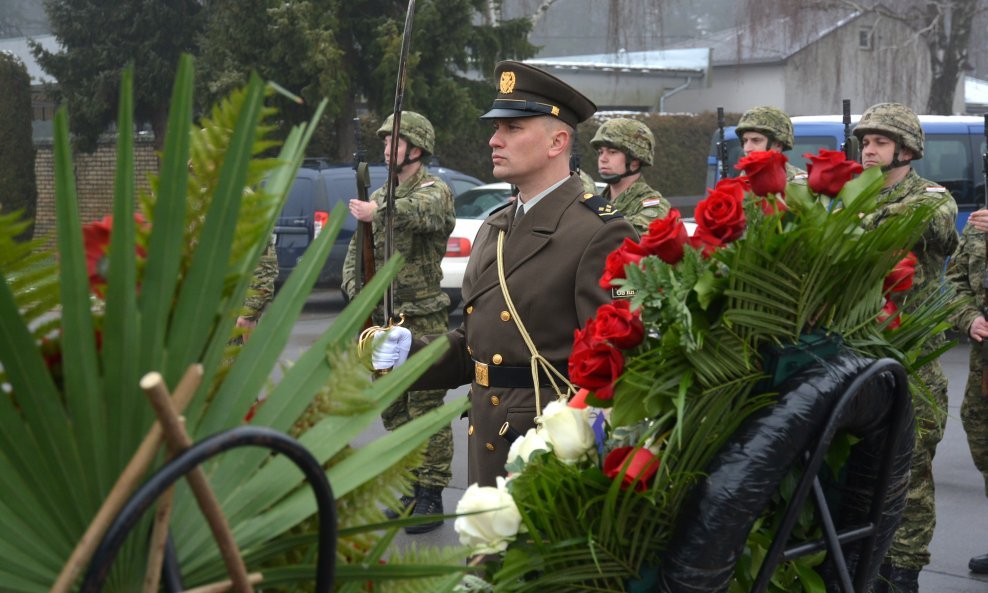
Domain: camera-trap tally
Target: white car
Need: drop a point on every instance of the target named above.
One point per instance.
(472, 208)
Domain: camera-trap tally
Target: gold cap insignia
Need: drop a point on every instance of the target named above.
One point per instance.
(507, 82)
(555, 111)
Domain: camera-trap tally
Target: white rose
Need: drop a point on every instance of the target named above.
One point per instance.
(567, 431)
(522, 448)
(487, 532)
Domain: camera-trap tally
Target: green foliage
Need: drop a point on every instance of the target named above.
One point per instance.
(71, 413)
(19, 192)
(709, 324)
(98, 38)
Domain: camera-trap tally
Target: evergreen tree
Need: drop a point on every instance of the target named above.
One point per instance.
(348, 50)
(18, 191)
(99, 37)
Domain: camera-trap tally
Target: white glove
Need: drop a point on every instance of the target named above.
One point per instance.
(391, 348)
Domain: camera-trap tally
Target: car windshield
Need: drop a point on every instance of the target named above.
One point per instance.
(478, 203)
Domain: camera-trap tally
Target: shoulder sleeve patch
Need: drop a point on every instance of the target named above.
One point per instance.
(800, 176)
(428, 183)
(601, 206)
(648, 203)
(936, 189)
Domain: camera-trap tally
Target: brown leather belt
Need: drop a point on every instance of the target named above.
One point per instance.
(504, 377)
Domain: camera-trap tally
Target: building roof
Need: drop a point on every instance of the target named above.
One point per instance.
(975, 91)
(771, 42)
(673, 61)
(18, 46)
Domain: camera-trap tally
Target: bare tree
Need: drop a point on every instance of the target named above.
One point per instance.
(943, 26)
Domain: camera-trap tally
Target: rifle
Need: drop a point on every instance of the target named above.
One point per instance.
(850, 146)
(365, 266)
(984, 283)
(721, 144)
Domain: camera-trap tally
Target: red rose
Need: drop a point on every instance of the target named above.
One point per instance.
(628, 253)
(890, 310)
(901, 277)
(721, 215)
(772, 206)
(666, 237)
(767, 171)
(735, 186)
(579, 399)
(705, 242)
(594, 365)
(829, 171)
(617, 324)
(641, 465)
(96, 241)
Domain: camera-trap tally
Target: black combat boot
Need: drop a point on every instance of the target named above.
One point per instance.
(903, 580)
(428, 501)
(404, 502)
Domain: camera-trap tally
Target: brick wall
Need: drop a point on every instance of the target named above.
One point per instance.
(94, 177)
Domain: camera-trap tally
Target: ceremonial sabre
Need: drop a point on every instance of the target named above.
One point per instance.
(366, 339)
(389, 196)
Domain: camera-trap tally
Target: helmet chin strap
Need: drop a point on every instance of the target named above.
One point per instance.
(614, 178)
(896, 163)
(401, 166)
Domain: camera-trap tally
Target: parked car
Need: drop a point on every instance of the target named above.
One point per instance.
(319, 186)
(952, 155)
(472, 208)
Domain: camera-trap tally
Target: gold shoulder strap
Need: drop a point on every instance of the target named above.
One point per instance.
(537, 360)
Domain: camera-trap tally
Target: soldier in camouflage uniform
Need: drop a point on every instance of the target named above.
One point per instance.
(423, 220)
(768, 128)
(260, 293)
(623, 147)
(967, 274)
(891, 138)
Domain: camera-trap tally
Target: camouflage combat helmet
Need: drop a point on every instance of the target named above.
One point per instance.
(896, 121)
(415, 128)
(770, 121)
(629, 135)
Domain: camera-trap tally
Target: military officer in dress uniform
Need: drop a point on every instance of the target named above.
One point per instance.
(624, 146)
(553, 242)
(768, 128)
(891, 138)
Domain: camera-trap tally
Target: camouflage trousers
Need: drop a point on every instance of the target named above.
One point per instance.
(974, 417)
(435, 470)
(911, 543)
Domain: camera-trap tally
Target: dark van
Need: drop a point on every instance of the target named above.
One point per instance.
(951, 156)
(319, 186)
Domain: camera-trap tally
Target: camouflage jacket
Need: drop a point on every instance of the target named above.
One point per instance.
(640, 204)
(261, 290)
(424, 218)
(795, 175)
(967, 273)
(937, 242)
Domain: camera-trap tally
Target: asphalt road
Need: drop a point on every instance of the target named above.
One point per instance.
(962, 508)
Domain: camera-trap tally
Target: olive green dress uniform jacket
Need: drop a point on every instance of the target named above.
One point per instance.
(553, 261)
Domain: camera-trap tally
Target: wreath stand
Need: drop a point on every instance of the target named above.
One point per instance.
(858, 517)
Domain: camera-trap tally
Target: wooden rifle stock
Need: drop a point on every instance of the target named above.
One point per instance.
(365, 229)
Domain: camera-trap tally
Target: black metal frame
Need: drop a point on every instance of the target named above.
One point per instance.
(191, 458)
(833, 540)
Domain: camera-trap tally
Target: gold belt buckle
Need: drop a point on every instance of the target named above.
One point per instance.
(480, 374)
